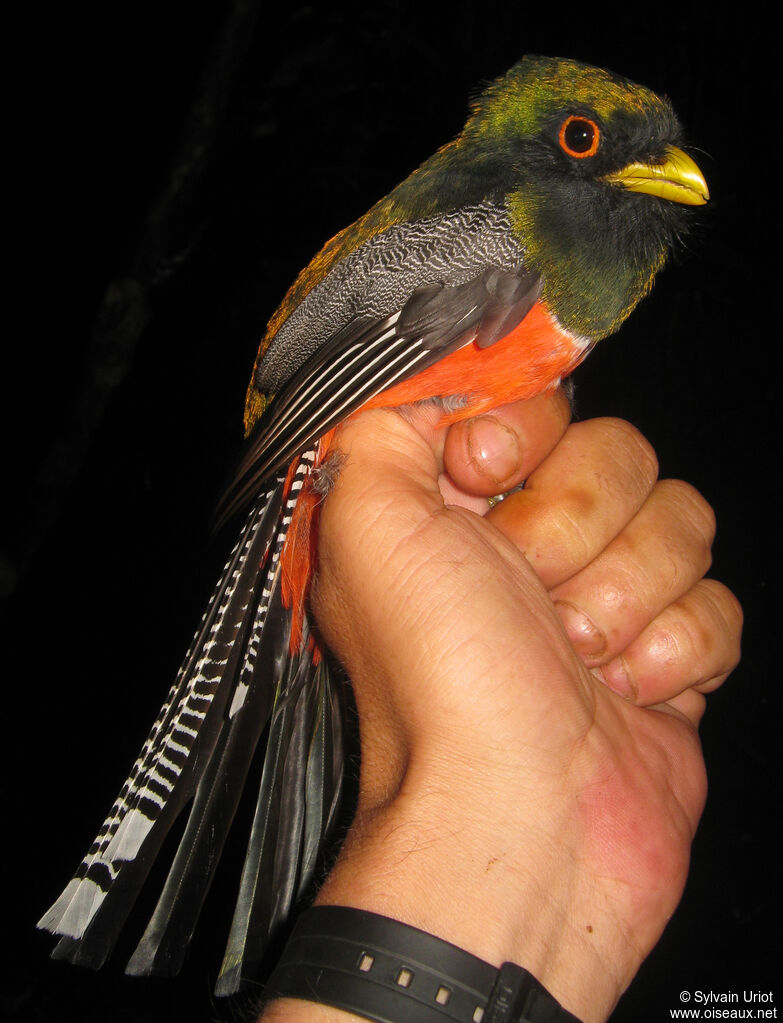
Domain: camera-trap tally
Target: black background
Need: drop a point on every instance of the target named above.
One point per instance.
(188, 160)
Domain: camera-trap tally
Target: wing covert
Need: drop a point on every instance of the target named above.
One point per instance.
(369, 356)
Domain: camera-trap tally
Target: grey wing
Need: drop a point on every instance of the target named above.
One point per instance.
(426, 288)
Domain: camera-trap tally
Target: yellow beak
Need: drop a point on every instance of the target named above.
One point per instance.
(677, 178)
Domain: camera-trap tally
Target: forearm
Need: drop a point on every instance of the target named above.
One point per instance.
(501, 893)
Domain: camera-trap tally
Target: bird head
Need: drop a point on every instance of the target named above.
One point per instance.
(591, 169)
(595, 179)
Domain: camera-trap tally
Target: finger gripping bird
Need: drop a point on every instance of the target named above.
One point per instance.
(483, 278)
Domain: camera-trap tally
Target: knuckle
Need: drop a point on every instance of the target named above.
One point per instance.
(624, 439)
(691, 508)
(700, 632)
(569, 525)
(727, 613)
(712, 623)
(668, 646)
(620, 594)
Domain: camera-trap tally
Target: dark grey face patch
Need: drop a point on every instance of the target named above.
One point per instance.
(382, 274)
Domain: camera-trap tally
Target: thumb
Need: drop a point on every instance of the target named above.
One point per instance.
(383, 498)
(367, 594)
(427, 605)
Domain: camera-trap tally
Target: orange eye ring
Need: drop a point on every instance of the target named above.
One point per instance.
(579, 137)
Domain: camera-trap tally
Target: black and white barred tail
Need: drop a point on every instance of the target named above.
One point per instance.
(239, 684)
(442, 283)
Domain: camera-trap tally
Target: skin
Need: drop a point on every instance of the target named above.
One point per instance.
(510, 801)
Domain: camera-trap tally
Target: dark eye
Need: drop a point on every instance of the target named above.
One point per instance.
(579, 137)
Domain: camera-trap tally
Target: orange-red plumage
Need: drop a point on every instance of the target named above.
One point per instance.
(534, 357)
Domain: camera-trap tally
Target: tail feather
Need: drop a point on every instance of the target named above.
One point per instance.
(289, 823)
(291, 807)
(234, 677)
(253, 893)
(161, 779)
(323, 782)
(308, 798)
(163, 946)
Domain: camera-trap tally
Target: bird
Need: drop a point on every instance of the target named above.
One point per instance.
(485, 277)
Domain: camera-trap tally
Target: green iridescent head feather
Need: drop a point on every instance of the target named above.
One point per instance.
(521, 102)
(597, 246)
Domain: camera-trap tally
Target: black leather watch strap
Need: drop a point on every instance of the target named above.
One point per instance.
(389, 972)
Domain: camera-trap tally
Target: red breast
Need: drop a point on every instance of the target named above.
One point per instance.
(533, 358)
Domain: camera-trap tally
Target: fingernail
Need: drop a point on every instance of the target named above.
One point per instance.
(586, 637)
(493, 449)
(615, 676)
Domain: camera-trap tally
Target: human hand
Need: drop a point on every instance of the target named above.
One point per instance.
(621, 553)
(509, 802)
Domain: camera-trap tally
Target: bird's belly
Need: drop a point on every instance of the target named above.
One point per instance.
(533, 358)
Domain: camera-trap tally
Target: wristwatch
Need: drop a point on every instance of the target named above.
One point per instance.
(389, 972)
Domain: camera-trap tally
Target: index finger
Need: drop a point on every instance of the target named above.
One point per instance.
(580, 498)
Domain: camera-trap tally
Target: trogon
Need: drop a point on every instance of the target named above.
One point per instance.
(483, 278)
